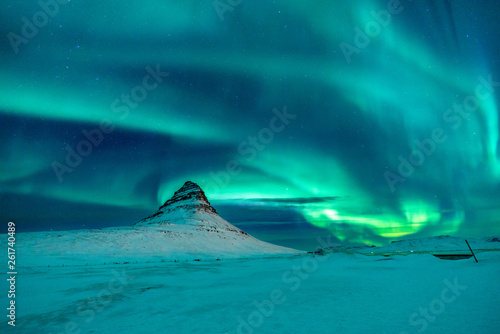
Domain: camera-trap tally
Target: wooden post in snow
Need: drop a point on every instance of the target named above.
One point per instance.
(471, 250)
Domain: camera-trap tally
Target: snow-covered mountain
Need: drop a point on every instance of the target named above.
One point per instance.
(186, 227)
(189, 206)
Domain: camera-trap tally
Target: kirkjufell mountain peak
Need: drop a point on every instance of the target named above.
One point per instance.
(187, 223)
(188, 216)
(191, 192)
(187, 203)
(185, 227)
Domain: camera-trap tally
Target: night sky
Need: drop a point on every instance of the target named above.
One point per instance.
(367, 120)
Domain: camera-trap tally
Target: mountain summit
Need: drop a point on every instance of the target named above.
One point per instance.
(189, 206)
(188, 203)
(189, 197)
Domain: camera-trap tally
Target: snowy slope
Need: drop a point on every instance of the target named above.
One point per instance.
(185, 227)
(444, 244)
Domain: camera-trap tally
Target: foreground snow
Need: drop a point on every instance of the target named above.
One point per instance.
(336, 293)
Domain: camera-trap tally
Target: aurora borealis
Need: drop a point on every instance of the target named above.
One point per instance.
(424, 79)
